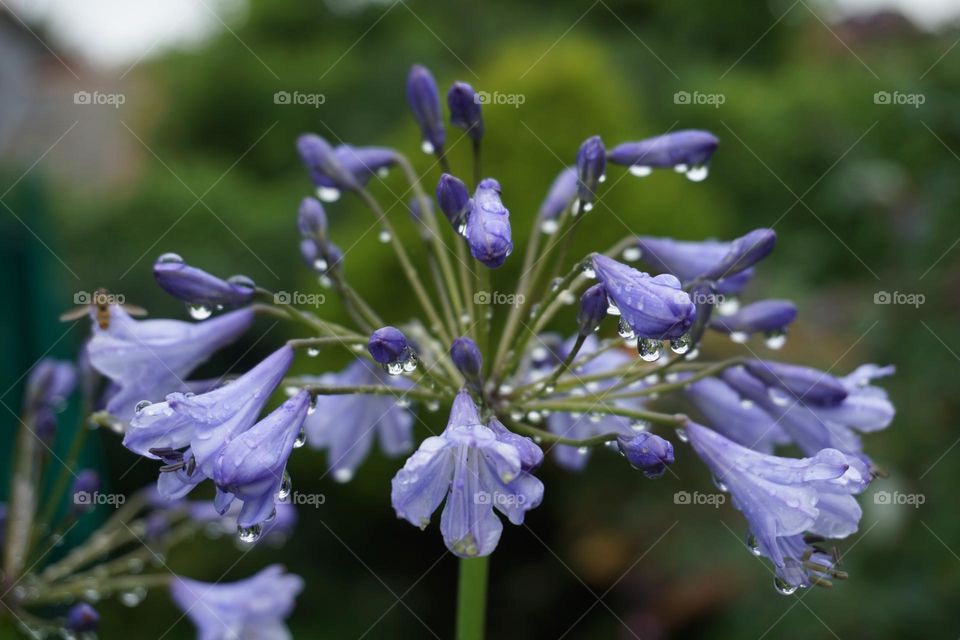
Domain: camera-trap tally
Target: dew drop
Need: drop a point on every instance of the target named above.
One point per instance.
(170, 258)
(133, 597)
(625, 330)
(516, 416)
(549, 227)
(426, 146)
(612, 308)
(410, 362)
(566, 297)
(328, 194)
(583, 451)
(718, 483)
(775, 339)
(779, 398)
(649, 349)
(588, 271)
(199, 311)
(640, 171)
(313, 352)
(728, 306)
(286, 486)
(432, 405)
(783, 587)
(682, 344)
(383, 172)
(301, 437)
(320, 264)
(325, 281)
(753, 545)
(682, 435)
(384, 236)
(587, 207)
(746, 403)
(143, 404)
(242, 282)
(698, 174)
(534, 417)
(632, 254)
(250, 534)
(681, 168)
(739, 337)
(394, 368)
(343, 475)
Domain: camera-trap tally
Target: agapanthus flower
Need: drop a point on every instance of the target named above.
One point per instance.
(804, 383)
(147, 359)
(454, 200)
(345, 425)
(591, 164)
(468, 360)
(785, 497)
(251, 466)
(488, 225)
(561, 193)
(653, 306)
(49, 385)
(251, 608)
(325, 166)
(647, 452)
(771, 317)
(197, 287)
(686, 151)
(312, 219)
(82, 618)
(424, 99)
(475, 471)
(739, 419)
(392, 350)
(593, 309)
(465, 111)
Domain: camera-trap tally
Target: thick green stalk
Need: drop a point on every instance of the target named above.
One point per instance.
(472, 598)
(24, 489)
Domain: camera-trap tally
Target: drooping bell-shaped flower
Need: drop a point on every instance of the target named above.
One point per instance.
(591, 164)
(743, 253)
(454, 201)
(647, 452)
(251, 467)
(147, 359)
(345, 425)
(739, 419)
(654, 307)
(488, 225)
(561, 194)
(424, 99)
(325, 166)
(476, 472)
(687, 151)
(785, 497)
(771, 317)
(252, 608)
(593, 309)
(467, 359)
(465, 111)
(197, 287)
(810, 385)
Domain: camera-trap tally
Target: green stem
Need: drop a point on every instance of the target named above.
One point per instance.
(24, 491)
(472, 598)
(366, 389)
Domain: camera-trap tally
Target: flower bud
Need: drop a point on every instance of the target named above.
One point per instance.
(688, 148)
(647, 452)
(591, 163)
(593, 309)
(424, 99)
(744, 252)
(454, 200)
(465, 112)
(765, 316)
(467, 358)
(488, 226)
(312, 219)
(807, 384)
(323, 164)
(561, 193)
(197, 287)
(82, 618)
(387, 345)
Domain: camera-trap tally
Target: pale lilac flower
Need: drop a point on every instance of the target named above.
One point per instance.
(765, 316)
(345, 425)
(593, 309)
(591, 163)
(251, 608)
(680, 150)
(785, 497)
(424, 99)
(251, 466)
(197, 287)
(312, 219)
(324, 165)
(465, 111)
(744, 252)
(50, 384)
(147, 359)
(810, 385)
(739, 419)
(653, 306)
(468, 360)
(475, 471)
(454, 200)
(561, 194)
(488, 225)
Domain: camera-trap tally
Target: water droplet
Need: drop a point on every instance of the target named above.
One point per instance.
(383, 172)
(505, 389)
(328, 194)
(325, 281)
(250, 534)
(320, 264)
(753, 545)
(625, 330)
(426, 146)
(566, 297)
(343, 475)
(143, 404)
(718, 483)
(313, 352)
(286, 486)
(682, 435)
(612, 308)
(649, 349)
(640, 171)
(652, 379)
(549, 388)
(775, 339)
(681, 168)
(728, 306)
(632, 254)
(516, 416)
(746, 403)
(550, 226)
(739, 337)
(199, 311)
(587, 207)
(583, 451)
(170, 258)
(575, 209)
(682, 344)
(778, 397)
(783, 587)
(242, 282)
(133, 597)
(410, 363)
(534, 417)
(403, 403)
(602, 178)
(393, 368)
(698, 174)
(384, 236)
(640, 425)
(432, 405)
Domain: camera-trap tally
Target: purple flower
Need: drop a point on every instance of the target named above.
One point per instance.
(785, 497)
(197, 287)
(647, 452)
(345, 424)
(475, 471)
(766, 316)
(390, 348)
(591, 163)
(251, 608)
(653, 307)
(467, 358)
(739, 419)
(465, 112)
(50, 384)
(810, 385)
(251, 467)
(687, 151)
(743, 253)
(488, 225)
(454, 201)
(561, 194)
(593, 309)
(424, 99)
(82, 618)
(325, 167)
(531, 455)
(312, 219)
(148, 359)
(85, 485)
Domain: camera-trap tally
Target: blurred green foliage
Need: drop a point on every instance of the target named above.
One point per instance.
(863, 196)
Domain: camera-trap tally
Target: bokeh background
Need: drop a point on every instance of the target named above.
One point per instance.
(199, 159)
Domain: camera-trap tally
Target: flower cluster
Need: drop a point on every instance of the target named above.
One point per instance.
(540, 378)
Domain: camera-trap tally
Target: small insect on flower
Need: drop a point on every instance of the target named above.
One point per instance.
(99, 308)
